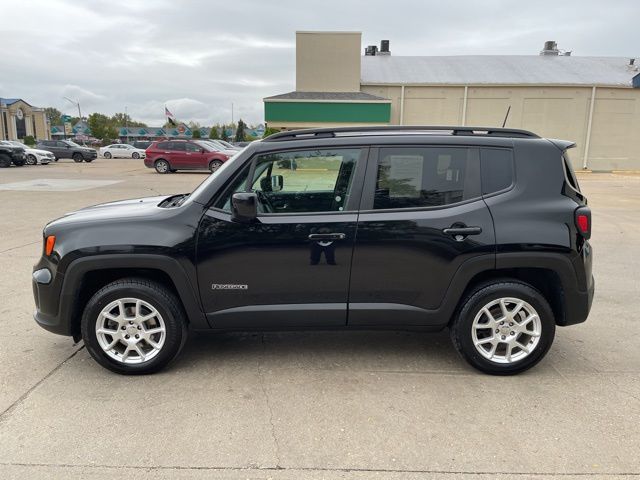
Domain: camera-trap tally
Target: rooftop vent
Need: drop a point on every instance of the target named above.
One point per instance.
(384, 48)
(550, 48)
(372, 50)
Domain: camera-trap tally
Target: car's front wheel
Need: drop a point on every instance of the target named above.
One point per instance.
(162, 166)
(134, 326)
(135, 155)
(503, 328)
(31, 159)
(77, 157)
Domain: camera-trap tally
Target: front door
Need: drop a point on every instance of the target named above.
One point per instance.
(195, 156)
(291, 266)
(422, 216)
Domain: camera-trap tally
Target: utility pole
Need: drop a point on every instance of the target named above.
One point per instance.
(126, 128)
(76, 103)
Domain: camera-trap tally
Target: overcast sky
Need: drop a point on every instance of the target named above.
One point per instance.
(198, 57)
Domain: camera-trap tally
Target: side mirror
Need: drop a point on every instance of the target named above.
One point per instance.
(244, 207)
(67, 146)
(277, 183)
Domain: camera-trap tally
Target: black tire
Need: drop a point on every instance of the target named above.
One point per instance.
(5, 161)
(462, 327)
(172, 170)
(31, 160)
(107, 155)
(19, 163)
(89, 160)
(214, 165)
(162, 299)
(162, 166)
(135, 155)
(77, 157)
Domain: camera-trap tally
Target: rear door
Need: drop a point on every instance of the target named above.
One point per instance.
(422, 217)
(178, 155)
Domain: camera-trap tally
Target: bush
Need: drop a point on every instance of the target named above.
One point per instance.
(29, 140)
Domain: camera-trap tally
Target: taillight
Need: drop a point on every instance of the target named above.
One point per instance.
(49, 244)
(583, 221)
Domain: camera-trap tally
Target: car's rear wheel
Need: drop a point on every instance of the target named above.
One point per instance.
(214, 165)
(134, 326)
(89, 160)
(135, 155)
(503, 328)
(5, 161)
(31, 159)
(77, 157)
(161, 166)
(107, 155)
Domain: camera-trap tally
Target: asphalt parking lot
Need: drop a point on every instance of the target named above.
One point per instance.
(353, 405)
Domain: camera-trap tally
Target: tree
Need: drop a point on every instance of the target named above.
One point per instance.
(54, 115)
(122, 119)
(269, 131)
(213, 133)
(240, 131)
(224, 135)
(195, 133)
(100, 126)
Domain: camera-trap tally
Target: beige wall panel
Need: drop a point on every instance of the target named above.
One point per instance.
(488, 112)
(393, 94)
(614, 134)
(328, 62)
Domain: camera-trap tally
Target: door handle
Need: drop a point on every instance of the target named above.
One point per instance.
(327, 236)
(459, 233)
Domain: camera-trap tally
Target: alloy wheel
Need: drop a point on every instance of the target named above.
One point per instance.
(506, 330)
(130, 330)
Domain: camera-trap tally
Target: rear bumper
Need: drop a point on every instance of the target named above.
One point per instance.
(578, 305)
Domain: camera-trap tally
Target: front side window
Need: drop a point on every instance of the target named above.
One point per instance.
(299, 181)
(192, 147)
(413, 177)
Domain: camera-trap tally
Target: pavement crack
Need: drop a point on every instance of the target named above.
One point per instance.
(4, 415)
(440, 472)
(19, 246)
(267, 399)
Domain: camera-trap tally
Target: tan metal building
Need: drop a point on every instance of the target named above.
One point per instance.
(594, 101)
(19, 119)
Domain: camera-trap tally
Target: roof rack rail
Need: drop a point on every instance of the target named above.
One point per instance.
(312, 133)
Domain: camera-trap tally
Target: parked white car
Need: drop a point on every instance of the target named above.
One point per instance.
(122, 150)
(33, 156)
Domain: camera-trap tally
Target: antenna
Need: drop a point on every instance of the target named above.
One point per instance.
(506, 116)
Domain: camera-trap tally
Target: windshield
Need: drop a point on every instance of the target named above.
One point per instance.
(208, 146)
(73, 144)
(226, 144)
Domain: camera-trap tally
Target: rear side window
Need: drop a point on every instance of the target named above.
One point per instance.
(164, 145)
(413, 177)
(571, 175)
(497, 169)
(177, 146)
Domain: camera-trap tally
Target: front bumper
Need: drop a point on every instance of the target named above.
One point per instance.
(48, 298)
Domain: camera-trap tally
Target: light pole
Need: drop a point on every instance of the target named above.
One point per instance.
(126, 128)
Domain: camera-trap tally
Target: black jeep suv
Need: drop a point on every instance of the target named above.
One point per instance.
(11, 154)
(68, 149)
(481, 230)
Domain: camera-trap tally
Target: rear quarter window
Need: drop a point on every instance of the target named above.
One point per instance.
(497, 169)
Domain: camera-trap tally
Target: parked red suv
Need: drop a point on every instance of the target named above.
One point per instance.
(172, 155)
